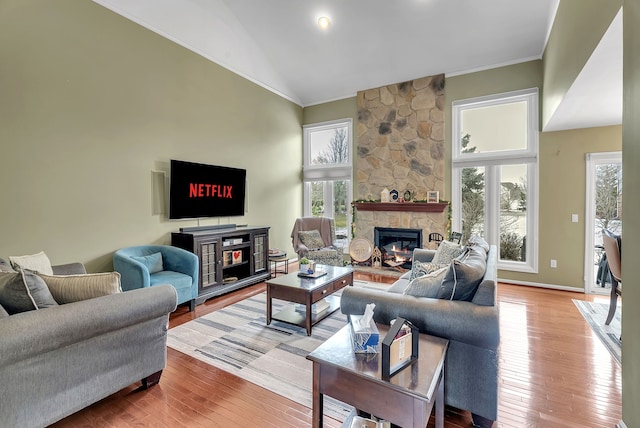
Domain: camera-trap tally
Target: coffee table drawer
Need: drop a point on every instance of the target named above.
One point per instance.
(341, 283)
(331, 288)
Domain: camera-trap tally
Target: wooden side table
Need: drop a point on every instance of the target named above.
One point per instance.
(407, 399)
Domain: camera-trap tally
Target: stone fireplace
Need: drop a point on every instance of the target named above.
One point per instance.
(400, 146)
(397, 245)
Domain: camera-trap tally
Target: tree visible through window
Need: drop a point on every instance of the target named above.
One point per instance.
(336, 151)
(472, 196)
(608, 194)
(513, 213)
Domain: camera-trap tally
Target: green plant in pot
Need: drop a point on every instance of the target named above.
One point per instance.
(304, 264)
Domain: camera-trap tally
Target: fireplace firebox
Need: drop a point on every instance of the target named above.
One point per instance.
(397, 245)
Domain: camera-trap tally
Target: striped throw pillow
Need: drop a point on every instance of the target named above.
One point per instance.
(73, 288)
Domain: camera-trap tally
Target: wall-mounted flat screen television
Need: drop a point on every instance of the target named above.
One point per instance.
(200, 190)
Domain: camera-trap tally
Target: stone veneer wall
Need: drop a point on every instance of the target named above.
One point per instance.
(401, 146)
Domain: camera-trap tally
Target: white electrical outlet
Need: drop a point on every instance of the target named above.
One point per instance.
(554, 263)
(574, 218)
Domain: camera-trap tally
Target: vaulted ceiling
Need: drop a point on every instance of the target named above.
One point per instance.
(371, 43)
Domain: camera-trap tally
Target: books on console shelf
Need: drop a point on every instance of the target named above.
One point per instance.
(234, 241)
(318, 307)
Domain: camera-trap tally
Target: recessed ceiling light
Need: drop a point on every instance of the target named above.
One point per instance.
(324, 22)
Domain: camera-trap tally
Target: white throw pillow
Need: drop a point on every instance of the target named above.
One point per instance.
(39, 263)
(446, 252)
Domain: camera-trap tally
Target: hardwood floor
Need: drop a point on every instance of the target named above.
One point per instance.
(554, 372)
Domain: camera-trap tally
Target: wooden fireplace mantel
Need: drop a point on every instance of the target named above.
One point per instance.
(422, 207)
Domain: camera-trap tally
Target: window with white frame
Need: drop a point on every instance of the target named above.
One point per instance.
(327, 173)
(495, 174)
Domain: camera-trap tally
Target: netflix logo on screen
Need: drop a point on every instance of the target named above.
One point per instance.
(200, 190)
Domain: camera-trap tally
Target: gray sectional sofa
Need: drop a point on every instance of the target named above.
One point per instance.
(472, 328)
(58, 360)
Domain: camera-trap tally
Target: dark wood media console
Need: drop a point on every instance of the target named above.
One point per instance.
(230, 258)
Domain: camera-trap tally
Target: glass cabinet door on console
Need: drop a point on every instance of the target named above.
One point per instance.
(260, 252)
(209, 264)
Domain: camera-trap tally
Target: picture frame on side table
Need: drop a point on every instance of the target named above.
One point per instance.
(433, 197)
(399, 347)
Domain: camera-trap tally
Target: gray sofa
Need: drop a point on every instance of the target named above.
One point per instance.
(472, 328)
(58, 360)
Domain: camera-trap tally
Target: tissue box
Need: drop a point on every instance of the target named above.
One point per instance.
(365, 339)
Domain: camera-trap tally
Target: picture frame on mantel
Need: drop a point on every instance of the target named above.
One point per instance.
(433, 197)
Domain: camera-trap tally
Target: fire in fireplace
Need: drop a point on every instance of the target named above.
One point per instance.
(397, 245)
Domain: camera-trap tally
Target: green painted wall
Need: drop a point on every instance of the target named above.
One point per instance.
(630, 209)
(91, 103)
(578, 27)
(562, 190)
(340, 109)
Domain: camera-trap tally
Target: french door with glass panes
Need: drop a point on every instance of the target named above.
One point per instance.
(603, 211)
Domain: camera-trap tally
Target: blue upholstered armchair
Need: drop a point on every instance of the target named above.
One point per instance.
(149, 265)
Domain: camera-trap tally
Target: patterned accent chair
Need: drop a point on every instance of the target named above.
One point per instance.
(315, 238)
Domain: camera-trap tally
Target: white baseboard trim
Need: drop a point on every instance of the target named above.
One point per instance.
(542, 285)
(621, 424)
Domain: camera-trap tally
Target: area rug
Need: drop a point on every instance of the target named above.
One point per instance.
(370, 284)
(378, 271)
(595, 314)
(236, 339)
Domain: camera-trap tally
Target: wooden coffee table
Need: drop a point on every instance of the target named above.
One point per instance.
(307, 291)
(407, 399)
